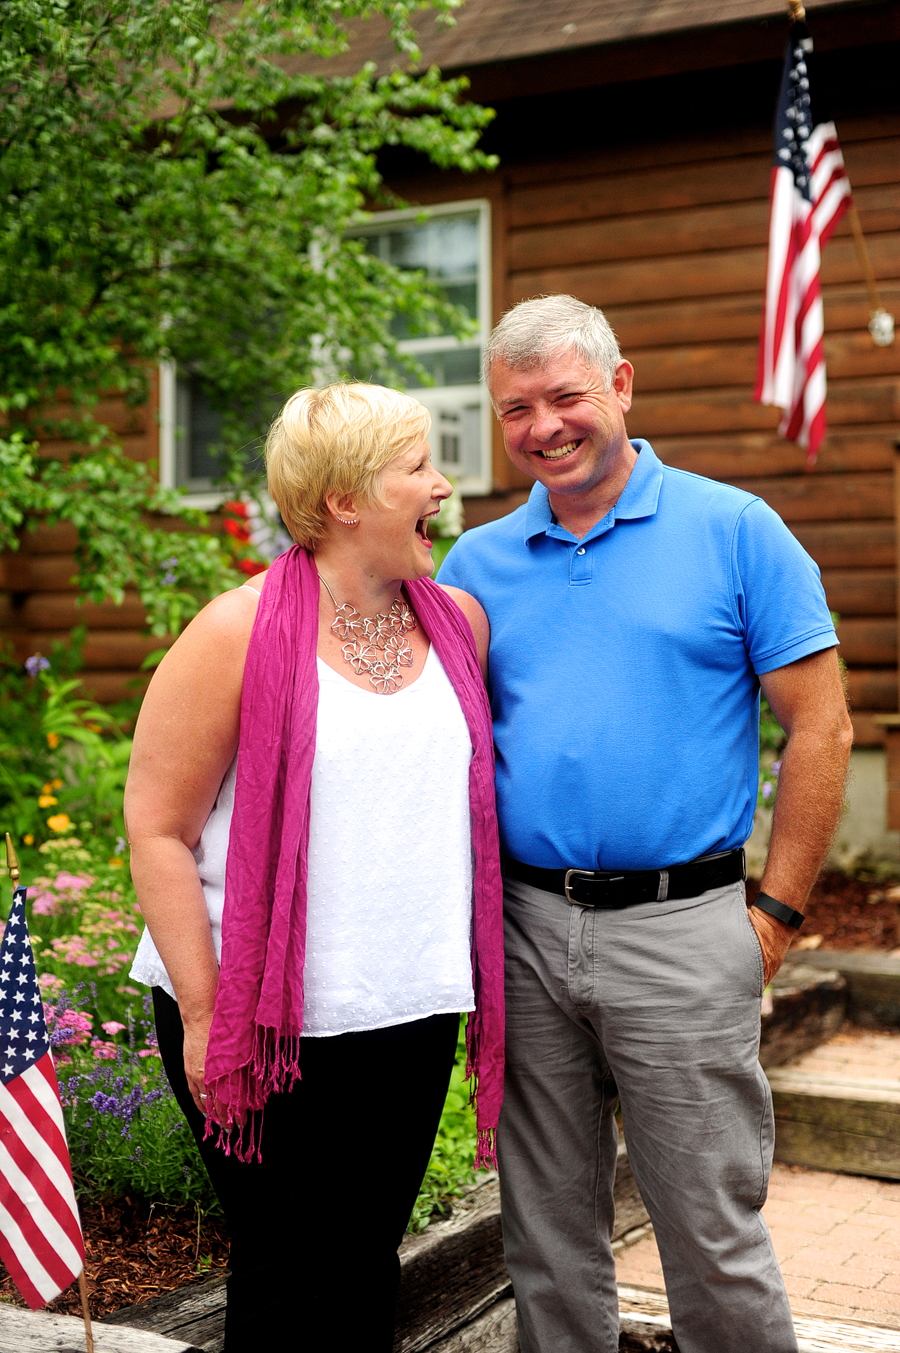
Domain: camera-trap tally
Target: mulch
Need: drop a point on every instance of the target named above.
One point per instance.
(137, 1251)
(849, 912)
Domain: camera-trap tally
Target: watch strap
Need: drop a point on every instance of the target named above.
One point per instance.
(778, 909)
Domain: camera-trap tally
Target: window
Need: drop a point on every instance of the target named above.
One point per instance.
(188, 429)
(453, 246)
(189, 433)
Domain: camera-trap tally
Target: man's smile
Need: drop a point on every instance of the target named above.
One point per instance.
(560, 452)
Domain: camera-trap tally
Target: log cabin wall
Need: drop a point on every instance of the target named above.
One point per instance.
(649, 199)
(674, 253)
(628, 198)
(39, 604)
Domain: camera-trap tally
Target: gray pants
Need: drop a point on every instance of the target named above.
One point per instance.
(656, 1006)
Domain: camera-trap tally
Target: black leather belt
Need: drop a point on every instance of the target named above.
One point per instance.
(611, 889)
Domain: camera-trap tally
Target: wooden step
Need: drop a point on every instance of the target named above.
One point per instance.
(45, 1332)
(873, 982)
(808, 1007)
(831, 1122)
(645, 1327)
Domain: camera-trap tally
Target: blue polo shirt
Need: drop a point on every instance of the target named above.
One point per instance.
(624, 666)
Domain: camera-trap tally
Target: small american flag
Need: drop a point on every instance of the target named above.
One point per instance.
(810, 192)
(40, 1234)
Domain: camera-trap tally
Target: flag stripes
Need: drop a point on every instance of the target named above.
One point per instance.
(40, 1235)
(809, 194)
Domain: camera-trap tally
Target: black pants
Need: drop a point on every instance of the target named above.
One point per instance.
(315, 1226)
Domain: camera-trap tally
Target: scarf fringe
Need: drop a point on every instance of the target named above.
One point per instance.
(242, 1094)
(486, 1150)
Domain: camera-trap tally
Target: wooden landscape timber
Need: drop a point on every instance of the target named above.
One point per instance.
(828, 1122)
(808, 1007)
(645, 1327)
(43, 1332)
(873, 983)
(451, 1273)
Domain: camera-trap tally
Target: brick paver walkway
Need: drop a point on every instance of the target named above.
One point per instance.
(837, 1236)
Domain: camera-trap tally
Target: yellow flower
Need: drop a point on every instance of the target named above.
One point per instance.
(55, 784)
(116, 862)
(59, 823)
(53, 740)
(28, 839)
(47, 801)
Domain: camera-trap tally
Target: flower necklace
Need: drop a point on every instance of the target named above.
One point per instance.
(377, 646)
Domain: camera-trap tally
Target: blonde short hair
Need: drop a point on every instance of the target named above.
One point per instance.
(336, 439)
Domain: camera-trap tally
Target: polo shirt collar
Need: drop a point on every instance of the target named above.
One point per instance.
(639, 498)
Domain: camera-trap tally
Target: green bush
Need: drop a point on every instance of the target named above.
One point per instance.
(450, 1170)
(127, 1135)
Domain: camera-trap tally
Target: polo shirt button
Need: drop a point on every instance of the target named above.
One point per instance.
(581, 551)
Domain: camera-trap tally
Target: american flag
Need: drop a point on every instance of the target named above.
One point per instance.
(40, 1234)
(810, 192)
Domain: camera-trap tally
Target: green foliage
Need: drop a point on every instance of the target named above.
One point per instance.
(61, 755)
(84, 921)
(126, 1134)
(177, 182)
(450, 1170)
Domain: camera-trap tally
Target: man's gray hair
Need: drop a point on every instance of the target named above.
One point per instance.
(535, 331)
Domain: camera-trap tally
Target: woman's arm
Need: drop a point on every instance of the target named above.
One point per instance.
(186, 738)
(475, 614)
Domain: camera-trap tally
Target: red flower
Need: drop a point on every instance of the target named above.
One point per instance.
(236, 528)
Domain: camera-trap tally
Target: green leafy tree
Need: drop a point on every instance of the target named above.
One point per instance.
(177, 180)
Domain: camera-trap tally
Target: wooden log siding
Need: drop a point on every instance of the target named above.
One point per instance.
(670, 239)
(675, 255)
(38, 603)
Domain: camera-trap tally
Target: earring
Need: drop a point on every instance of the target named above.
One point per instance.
(345, 522)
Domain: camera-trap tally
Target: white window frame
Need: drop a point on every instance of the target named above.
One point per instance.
(208, 499)
(438, 398)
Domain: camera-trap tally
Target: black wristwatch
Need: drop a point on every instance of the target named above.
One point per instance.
(779, 910)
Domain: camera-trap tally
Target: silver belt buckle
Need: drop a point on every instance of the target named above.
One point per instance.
(579, 873)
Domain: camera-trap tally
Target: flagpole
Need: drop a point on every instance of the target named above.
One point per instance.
(12, 865)
(881, 324)
(86, 1312)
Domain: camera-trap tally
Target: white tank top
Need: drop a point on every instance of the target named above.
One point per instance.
(389, 894)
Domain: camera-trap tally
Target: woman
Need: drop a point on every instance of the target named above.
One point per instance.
(313, 837)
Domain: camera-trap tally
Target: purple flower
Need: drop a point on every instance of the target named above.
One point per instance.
(767, 790)
(776, 767)
(36, 663)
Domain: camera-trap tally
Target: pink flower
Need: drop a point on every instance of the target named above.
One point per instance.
(104, 1052)
(112, 1027)
(45, 904)
(76, 883)
(149, 1052)
(72, 1026)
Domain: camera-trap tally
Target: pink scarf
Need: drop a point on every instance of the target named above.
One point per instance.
(254, 1039)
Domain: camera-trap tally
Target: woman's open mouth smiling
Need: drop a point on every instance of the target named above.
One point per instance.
(422, 527)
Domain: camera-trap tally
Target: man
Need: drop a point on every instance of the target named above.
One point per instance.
(635, 611)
